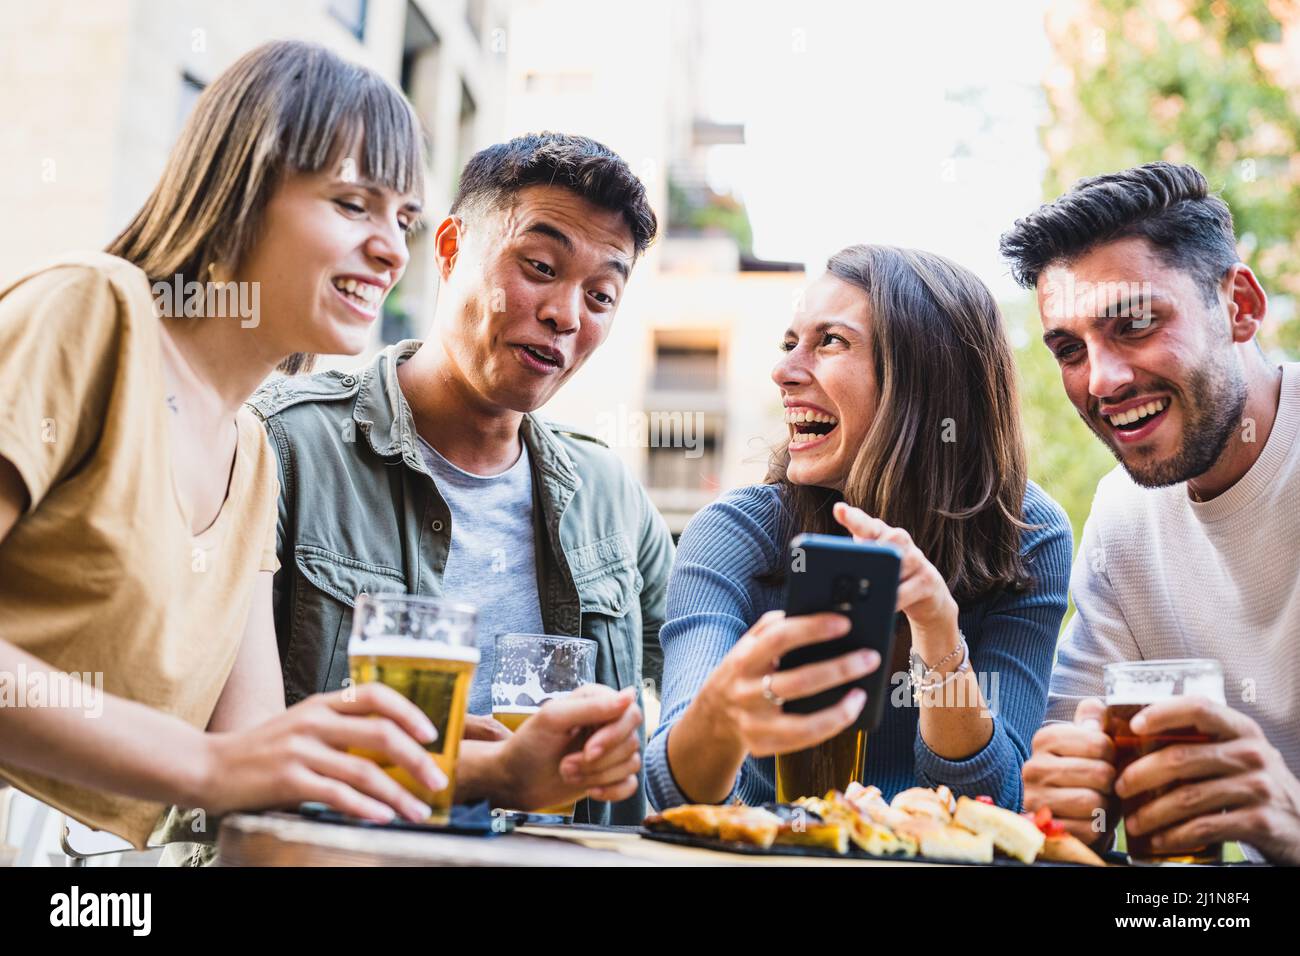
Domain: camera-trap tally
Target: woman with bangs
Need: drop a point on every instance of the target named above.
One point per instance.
(899, 390)
(138, 495)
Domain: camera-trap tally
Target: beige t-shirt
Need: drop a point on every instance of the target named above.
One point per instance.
(101, 575)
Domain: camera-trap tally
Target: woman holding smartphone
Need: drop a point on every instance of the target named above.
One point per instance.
(138, 495)
(899, 389)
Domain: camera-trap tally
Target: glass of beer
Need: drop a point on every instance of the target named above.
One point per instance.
(532, 669)
(1132, 685)
(425, 649)
(830, 765)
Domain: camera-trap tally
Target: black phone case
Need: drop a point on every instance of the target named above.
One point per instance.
(832, 573)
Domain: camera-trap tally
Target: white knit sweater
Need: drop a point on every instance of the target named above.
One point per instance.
(1160, 576)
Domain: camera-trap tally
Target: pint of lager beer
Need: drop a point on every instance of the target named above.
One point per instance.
(425, 650)
(1132, 685)
(830, 765)
(533, 669)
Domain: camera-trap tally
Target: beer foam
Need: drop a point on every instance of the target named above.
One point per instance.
(1131, 691)
(518, 677)
(1204, 685)
(394, 645)
(515, 709)
(1137, 691)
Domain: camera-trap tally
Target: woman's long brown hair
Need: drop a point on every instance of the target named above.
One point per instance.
(944, 457)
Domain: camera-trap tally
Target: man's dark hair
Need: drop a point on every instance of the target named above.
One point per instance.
(1168, 205)
(595, 172)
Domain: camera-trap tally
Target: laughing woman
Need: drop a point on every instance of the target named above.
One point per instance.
(899, 389)
(138, 495)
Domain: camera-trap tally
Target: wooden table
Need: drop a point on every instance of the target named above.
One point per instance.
(282, 839)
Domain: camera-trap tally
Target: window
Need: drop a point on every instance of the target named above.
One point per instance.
(352, 14)
(420, 82)
(687, 361)
(474, 13)
(684, 435)
(683, 451)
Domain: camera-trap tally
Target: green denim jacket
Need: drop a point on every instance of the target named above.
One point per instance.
(360, 512)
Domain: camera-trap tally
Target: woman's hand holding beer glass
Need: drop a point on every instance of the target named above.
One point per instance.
(301, 755)
(1234, 787)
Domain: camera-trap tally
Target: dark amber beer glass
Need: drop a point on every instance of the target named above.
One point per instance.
(1131, 686)
(830, 765)
(424, 649)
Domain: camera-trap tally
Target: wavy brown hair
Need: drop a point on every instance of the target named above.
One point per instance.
(944, 457)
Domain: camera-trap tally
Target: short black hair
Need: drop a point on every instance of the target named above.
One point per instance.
(593, 171)
(1166, 204)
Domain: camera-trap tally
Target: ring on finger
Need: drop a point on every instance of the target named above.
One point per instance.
(768, 693)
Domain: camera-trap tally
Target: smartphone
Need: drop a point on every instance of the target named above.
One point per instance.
(832, 573)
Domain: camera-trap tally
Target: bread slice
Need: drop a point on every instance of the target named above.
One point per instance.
(1014, 835)
(956, 845)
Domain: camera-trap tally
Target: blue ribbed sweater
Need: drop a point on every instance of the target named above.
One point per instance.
(713, 599)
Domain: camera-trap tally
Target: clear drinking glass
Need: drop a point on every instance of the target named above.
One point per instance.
(426, 650)
(532, 669)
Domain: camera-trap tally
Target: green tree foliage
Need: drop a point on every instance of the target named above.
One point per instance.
(701, 210)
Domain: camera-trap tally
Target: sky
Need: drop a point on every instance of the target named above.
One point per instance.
(912, 124)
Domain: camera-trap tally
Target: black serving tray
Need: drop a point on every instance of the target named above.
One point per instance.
(779, 849)
(466, 820)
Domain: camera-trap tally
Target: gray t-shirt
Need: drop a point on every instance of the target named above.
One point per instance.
(490, 563)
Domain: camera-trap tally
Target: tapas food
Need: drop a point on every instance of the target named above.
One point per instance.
(920, 822)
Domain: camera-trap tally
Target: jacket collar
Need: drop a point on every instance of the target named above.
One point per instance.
(383, 416)
(380, 411)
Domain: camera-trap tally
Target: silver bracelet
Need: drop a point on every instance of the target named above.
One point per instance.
(925, 678)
